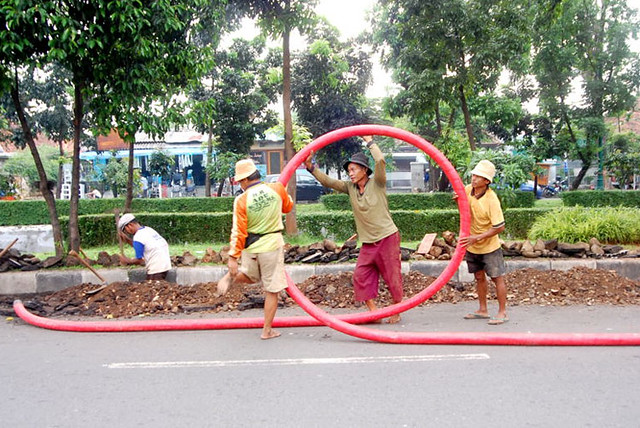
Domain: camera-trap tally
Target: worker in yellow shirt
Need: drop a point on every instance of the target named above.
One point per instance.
(484, 252)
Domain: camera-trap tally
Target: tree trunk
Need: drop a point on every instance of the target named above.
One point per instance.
(129, 199)
(291, 226)
(207, 178)
(44, 188)
(467, 118)
(60, 169)
(78, 111)
(220, 187)
(583, 171)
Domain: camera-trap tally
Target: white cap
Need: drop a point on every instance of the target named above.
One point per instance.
(485, 169)
(125, 220)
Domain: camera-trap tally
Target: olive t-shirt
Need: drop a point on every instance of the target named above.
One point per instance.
(370, 209)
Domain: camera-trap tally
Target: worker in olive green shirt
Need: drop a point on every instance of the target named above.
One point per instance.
(380, 251)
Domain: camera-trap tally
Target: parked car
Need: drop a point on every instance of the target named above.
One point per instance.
(307, 187)
(528, 187)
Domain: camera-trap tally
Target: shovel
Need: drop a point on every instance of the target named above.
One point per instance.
(116, 212)
(95, 272)
(8, 247)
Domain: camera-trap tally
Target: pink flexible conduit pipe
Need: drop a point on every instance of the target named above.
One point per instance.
(345, 323)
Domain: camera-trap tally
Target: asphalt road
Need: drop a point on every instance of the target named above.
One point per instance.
(316, 377)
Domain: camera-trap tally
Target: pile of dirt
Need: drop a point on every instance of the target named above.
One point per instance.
(125, 299)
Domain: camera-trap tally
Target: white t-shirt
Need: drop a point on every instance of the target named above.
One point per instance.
(153, 248)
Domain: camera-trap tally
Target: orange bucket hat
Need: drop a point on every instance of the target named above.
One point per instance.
(244, 168)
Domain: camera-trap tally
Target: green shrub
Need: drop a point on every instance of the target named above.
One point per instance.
(516, 199)
(429, 201)
(96, 230)
(608, 225)
(14, 213)
(413, 225)
(601, 198)
(180, 228)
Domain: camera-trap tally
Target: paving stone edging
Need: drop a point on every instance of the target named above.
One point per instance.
(43, 281)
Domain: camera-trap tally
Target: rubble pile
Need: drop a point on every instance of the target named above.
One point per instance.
(555, 249)
(577, 286)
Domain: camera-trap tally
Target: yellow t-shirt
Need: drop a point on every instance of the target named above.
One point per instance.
(485, 214)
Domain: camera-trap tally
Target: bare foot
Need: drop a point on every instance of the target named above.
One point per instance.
(394, 319)
(272, 334)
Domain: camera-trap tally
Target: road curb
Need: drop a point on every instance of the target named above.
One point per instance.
(44, 281)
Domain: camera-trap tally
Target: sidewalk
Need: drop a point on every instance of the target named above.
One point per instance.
(53, 280)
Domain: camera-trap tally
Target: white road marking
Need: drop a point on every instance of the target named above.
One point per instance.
(296, 361)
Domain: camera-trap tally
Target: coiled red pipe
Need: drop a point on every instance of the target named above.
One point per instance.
(298, 321)
(342, 323)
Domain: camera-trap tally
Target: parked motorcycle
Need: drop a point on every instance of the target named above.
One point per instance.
(550, 191)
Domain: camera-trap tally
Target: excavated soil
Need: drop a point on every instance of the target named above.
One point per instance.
(578, 286)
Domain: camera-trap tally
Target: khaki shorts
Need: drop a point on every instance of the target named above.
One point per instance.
(268, 267)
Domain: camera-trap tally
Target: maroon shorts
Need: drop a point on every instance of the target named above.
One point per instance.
(378, 258)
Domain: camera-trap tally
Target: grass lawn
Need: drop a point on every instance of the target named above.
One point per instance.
(549, 203)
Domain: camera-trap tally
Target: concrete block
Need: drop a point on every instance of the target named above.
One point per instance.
(463, 274)
(110, 275)
(55, 281)
(567, 264)
(171, 276)
(335, 269)
(539, 264)
(299, 273)
(199, 274)
(17, 282)
(405, 267)
(137, 275)
(430, 267)
(140, 275)
(37, 238)
(628, 268)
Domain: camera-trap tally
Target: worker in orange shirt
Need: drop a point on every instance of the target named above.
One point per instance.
(256, 236)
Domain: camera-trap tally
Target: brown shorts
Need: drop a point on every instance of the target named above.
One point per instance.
(267, 267)
(160, 276)
(492, 263)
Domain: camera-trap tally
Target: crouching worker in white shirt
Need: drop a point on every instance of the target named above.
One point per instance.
(152, 251)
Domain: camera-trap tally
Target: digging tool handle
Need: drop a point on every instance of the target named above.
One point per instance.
(117, 214)
(87, 265)
(82, 252)
(7, 248)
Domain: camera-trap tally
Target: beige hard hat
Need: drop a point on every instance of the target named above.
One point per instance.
(485, 169)
(125, 220)
(244, 168)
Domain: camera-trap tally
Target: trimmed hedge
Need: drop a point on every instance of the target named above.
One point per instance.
(413, 225)
(15, 213)
(601, 198)
(428, 201)
(97, 230)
